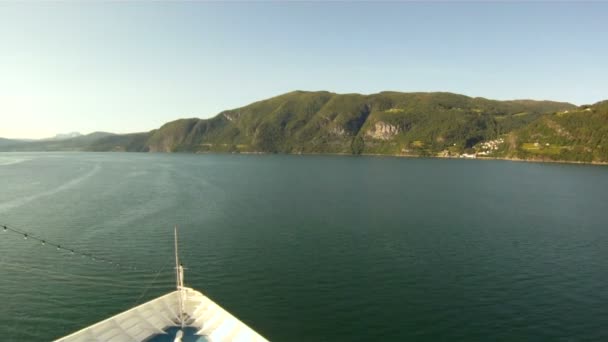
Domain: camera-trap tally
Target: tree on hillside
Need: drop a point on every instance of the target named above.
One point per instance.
(357, 145)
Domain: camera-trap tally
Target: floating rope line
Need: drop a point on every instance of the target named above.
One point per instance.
(61, 275)
(72, 251)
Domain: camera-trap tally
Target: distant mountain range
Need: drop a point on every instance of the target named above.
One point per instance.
(387, 123)
(64, 136)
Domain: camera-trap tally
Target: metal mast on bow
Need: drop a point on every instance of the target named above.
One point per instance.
(179, 281)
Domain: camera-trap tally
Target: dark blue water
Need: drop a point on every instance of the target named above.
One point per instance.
(314, 248)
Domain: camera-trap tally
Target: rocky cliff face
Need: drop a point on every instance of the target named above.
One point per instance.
(162, 146)
(230, 116)
(382, 131)
(336, 130)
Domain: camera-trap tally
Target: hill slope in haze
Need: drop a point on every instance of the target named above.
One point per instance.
(417, 124)
(8, 142)
(79, 143)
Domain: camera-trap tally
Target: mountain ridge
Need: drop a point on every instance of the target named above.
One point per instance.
(391, 123)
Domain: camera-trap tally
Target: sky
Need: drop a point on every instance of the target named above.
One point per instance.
(130, 67)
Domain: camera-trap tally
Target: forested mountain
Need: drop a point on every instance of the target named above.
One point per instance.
(417, 124)
(323, 122)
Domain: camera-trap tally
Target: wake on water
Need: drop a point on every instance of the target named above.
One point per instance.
(4, 161)
(65, 186)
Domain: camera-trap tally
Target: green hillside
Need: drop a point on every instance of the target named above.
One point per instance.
(416, 124)
(580, 134)
(323, 122)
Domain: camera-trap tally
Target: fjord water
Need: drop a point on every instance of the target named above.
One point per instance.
(311, 248)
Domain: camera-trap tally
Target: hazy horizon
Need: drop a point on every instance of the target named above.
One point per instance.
(131, 67)
(177, 118)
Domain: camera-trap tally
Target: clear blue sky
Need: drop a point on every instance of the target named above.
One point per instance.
(127, 67)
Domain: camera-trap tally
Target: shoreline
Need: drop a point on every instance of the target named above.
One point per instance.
(548, 161)
(414, 156)
(497, 158)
